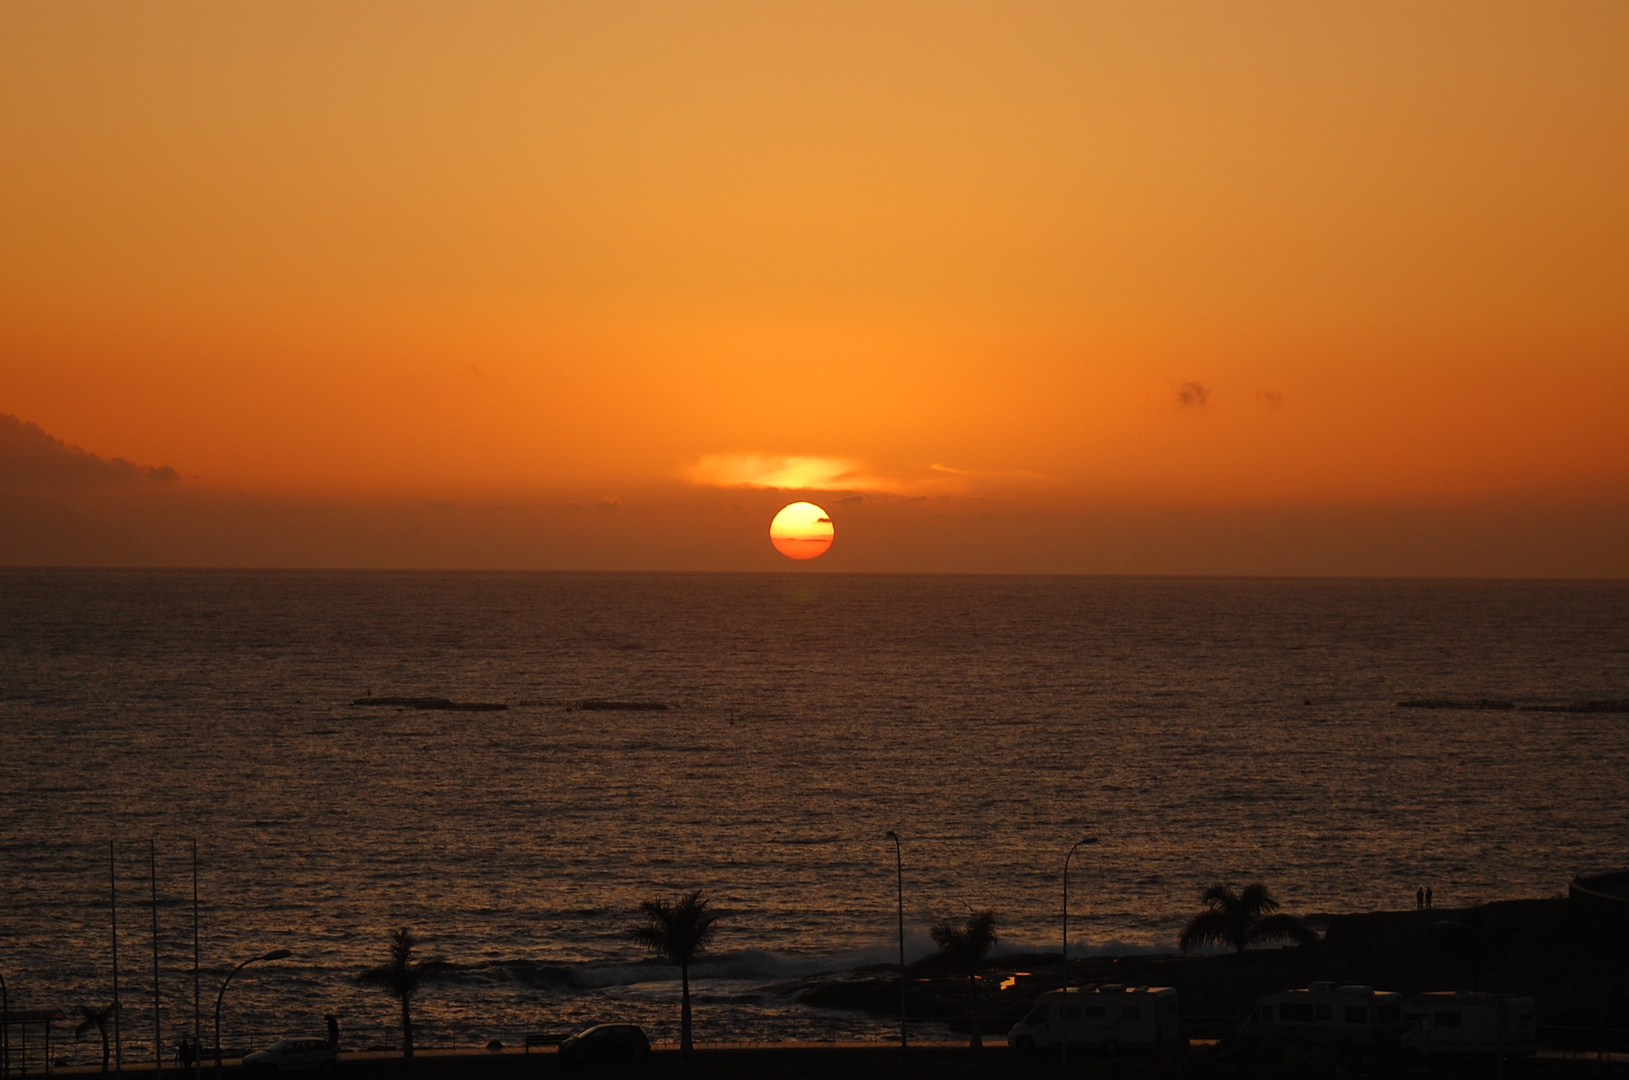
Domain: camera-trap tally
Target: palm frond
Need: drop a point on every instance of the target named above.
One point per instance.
(1257, 900)
(651, 937)
(967, 945)
(93, 1019)
(657, 910)
(401, 946)
(1214, 926)
(402, 975)
(678, 930)
(1221, 898)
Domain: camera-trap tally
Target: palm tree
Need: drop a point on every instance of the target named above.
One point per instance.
(678, 931)
(965, 947)
(402, 977)
(1241, 920)
(96, 1020)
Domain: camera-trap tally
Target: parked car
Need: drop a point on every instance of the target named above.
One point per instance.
(1110, 1018)
(292, 1055)
(606, 1042)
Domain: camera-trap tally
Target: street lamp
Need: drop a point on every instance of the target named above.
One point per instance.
(1064, 1054)
(899, 880)
(5, 1029)
(275, 954)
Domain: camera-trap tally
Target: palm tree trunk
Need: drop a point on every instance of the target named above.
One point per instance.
(407, 1029)
(1238, 1008)
(976, 1040)
(684, 1008)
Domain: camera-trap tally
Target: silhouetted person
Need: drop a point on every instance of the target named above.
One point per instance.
(333, 1033)
(183, 1053)
(1428, 896)
(1419, 899)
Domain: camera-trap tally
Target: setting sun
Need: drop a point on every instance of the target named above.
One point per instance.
(801, 531)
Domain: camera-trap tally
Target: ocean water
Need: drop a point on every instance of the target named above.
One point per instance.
(1206, 730)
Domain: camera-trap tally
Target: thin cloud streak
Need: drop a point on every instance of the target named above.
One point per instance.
(829, 473)
(1009, 476)
(790, 473)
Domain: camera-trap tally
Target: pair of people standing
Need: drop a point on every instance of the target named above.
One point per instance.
(1422, 898)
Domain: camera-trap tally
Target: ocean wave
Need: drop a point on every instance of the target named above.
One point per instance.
(764, 966)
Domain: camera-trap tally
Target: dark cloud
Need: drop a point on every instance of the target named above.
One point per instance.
(852, 498)
(31, 459)
(1271, 398)
(610, 502)
(1193, 394)
(827, 520)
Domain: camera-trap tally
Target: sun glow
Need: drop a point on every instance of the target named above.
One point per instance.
(801, 531)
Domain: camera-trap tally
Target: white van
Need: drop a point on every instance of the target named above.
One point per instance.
(1335, 1015)
(1459, 1023)
(1111, 1018)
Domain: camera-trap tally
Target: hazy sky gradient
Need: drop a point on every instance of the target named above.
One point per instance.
(1070, 267)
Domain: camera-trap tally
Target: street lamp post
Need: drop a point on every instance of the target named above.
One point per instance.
(5, 1029)
(275, 954)
(1064, 1053)
(899, 882)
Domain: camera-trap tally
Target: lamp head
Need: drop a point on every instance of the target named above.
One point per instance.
(891, 835)
(1087, 840)
(277, 954)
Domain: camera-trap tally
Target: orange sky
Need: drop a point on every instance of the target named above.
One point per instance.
(1070, 260)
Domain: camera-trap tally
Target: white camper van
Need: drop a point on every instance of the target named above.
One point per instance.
(1335, 1015)
(1456, 1023)
(1111, 1018)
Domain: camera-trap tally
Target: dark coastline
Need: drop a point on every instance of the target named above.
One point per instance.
(1572, 958)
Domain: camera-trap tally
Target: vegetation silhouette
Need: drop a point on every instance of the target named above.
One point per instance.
(96, 1019)
(1240, 920)
(402, 976)
(678, 931)
(965, 947)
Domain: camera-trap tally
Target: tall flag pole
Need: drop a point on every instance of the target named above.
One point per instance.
(113, 906)
(158, 1020)
(197, 1020)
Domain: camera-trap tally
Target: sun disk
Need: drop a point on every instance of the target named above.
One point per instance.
(801, 531)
